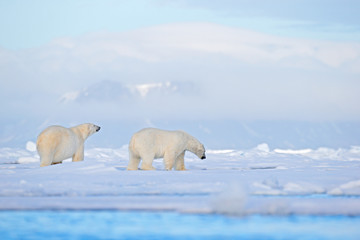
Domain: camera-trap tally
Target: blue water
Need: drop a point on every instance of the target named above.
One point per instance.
(170, 225)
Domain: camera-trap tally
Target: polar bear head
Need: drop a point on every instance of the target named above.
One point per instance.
(200, 152)
(195, 146)
(93, 128)
(87, 129)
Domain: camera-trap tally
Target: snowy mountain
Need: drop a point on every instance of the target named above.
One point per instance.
(100, 91)
(122, 109)
(107, 91)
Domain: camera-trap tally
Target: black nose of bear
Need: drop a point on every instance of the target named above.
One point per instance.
(203, 157)
(98, 128)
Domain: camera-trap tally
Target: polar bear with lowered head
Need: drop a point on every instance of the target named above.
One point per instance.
(57, 143)
(151, 143)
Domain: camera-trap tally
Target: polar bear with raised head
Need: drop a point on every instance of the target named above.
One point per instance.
(151, 143)
(57, 143)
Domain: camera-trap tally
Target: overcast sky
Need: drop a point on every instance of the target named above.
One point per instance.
(267, 60)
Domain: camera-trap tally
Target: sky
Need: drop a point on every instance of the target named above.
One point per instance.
(72, 61)
(27, 24)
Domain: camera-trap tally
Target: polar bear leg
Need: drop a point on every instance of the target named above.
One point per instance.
(169, 161)
(46, 160)
(46, 157)
(79, 155)
(179, 162)
(147, 163)
(133, 162)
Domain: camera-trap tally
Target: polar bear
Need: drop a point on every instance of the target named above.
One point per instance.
(57, 143)
(150, 143)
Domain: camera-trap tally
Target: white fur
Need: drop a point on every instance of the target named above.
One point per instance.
(151, 143)
(57, 143)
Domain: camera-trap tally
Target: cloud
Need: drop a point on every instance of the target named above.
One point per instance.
(238, 74)
(172, 41)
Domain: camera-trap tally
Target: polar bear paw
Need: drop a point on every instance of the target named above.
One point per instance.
(146, 167)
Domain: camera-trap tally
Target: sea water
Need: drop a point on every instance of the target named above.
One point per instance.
(171, 225)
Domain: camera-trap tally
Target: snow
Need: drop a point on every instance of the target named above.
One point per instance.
(230, 181)
(290, 151)
(31, 146)
(350, 188)
(144, 89)
(69, 97)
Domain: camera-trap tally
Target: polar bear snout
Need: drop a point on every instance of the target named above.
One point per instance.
(203, 157)
(97, 128)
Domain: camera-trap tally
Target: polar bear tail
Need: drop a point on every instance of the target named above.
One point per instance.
(132, 144)
(46, 156)
(134, 158)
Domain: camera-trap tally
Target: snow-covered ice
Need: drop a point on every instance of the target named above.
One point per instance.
(260, 180)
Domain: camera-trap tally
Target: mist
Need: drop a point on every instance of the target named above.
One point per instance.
(179, 73)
